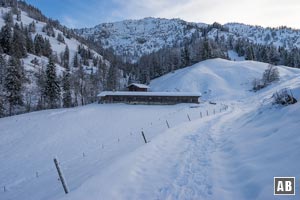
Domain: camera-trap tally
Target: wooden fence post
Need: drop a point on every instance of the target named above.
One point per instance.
(201, 114)
(214, 112)
(4, 188)
(167, 123)
(188, 117)
(144, 137)
(61, 177)
(207, 112)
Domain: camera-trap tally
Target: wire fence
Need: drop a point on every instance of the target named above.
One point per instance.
(96, 157)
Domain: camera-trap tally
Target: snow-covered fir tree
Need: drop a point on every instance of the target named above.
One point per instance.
(66, 87)
(2, 79)
(52, 88)
(13, 84)
(6, 38)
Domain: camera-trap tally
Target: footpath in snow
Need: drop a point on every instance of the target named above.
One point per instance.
(233, 154)
(177, 164)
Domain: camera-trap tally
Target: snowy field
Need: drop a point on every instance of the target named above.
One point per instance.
(227, 154)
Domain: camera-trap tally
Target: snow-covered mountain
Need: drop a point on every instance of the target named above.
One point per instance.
(285, 37)
(134, 38)
(232, 154)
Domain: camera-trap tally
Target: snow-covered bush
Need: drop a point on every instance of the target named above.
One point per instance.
(257, 84)
(270, 75)
(284, 97)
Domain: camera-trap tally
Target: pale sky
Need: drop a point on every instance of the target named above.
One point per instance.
(88, 13)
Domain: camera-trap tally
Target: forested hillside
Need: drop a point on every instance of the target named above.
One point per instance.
(46, 65)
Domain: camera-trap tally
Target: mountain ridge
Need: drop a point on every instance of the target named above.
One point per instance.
(111, 35)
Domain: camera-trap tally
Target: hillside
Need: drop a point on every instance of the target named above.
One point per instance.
(134, 38)
(232, 154)
(28, 40)
(280, 37)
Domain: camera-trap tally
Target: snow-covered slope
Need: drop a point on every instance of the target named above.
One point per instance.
(232, 154)
(57, 46)
(217, 78)
(34, 62)
(134, 38)
(285, 37)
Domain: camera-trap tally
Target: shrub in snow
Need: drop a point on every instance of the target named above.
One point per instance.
(284, 97)
(257, 84)
(270, 75)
